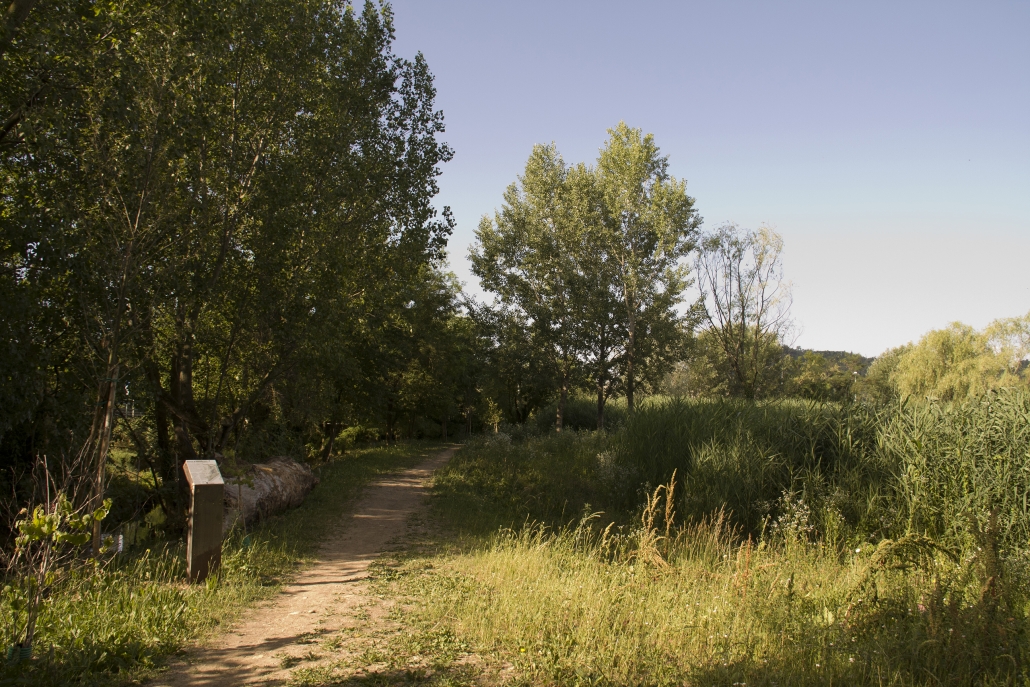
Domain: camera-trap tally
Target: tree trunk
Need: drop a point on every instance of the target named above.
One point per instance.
(631, 332)
(562, 401)
(103, 426)
(330, 429)
(166, 456)
(600, 404)
(630, 381)
(389, 422)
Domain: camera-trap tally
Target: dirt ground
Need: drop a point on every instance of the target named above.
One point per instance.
(308, 624)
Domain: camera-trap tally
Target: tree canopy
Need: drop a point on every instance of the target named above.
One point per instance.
(216, 228)
(591, 260)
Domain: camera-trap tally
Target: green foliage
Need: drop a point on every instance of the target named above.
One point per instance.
(958, 465)
(217, 236)
(527, 255)
(863, 473)
(824, 375)
(581, 414)
(708, 372)
(650, 225)
(960, 362)
(518, 374)
(47, 548)
(878, 385)
(587, 265)
(60, 525)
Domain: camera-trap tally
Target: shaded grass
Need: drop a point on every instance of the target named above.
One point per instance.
(116, 623)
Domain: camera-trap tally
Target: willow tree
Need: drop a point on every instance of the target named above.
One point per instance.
(960, 362)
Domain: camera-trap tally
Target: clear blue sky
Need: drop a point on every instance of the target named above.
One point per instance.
(888, 142)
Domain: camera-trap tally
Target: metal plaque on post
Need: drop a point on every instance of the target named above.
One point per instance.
(204, 544)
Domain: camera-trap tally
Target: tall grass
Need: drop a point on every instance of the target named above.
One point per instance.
(955, 464)
(803, 543)
(936, 468)
(115, 623)
(720, 612)
(580, 414)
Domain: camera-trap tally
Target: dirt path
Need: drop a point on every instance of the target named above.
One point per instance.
(325, 598)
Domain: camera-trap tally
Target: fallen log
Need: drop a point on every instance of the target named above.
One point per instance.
(266, 489)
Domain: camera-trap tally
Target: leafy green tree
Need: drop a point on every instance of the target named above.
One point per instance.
(960, 362)
(592, 259)
(203, 208)
(708, 372)
(525, 256)
(519, 370)
(594, 284)
(650, 226)
(878, 385)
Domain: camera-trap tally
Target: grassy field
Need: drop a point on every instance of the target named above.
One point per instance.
(798, 544)
(114, 624)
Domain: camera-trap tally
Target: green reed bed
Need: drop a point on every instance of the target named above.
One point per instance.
(798, 544)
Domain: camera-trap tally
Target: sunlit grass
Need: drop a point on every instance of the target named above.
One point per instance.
(876, 547)
(721, 613)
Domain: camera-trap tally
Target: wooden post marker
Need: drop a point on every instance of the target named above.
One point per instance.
(204, 544)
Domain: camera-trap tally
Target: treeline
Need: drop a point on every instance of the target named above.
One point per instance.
(604, 283)
(217, 236)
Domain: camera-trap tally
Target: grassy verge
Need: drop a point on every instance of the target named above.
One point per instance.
(115, 624)
(876, 550)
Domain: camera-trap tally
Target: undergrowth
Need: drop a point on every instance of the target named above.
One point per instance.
(717, 542)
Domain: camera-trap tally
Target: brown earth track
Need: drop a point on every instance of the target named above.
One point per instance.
(324, 598)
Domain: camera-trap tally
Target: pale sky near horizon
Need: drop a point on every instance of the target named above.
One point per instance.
(887, 142)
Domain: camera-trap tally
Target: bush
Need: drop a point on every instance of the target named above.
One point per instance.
(580, 414)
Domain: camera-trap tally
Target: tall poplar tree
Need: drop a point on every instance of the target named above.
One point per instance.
(526, 256)
(650, 226)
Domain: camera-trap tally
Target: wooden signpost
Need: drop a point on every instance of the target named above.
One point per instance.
(204, 545)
